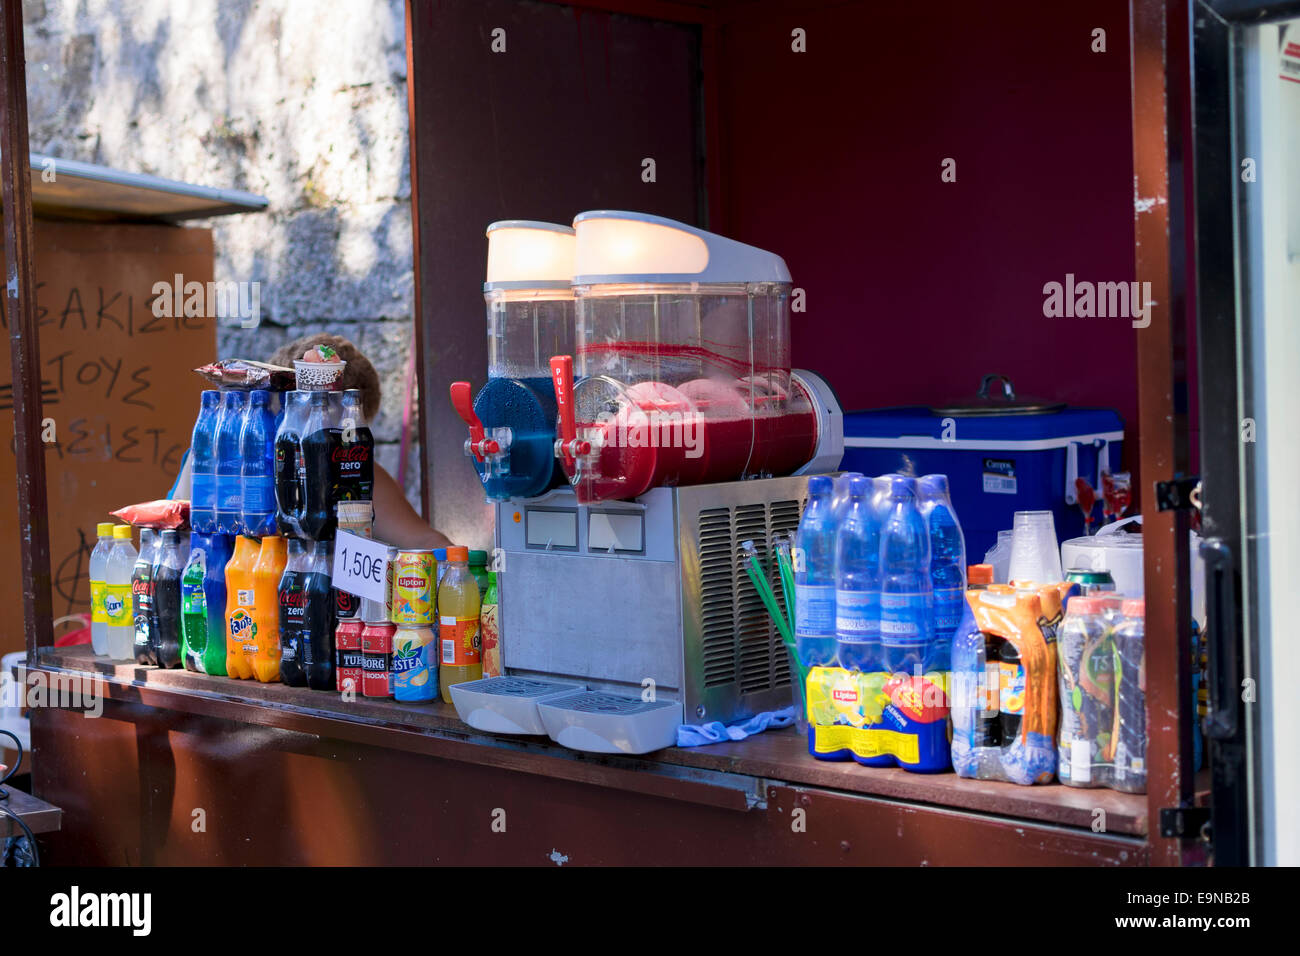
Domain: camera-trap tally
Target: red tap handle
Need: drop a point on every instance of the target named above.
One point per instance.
(562, 378)
(463, 402)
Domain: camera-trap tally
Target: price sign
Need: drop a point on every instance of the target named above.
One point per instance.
(360, 566)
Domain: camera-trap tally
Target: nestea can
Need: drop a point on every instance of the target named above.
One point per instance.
(414, 664)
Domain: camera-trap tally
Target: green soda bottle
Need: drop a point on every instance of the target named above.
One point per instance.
(194, 613)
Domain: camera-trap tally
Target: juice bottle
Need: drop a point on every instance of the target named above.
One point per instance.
(265, 642)
(490, 629)
(241, 627)
(98, 575)
(118, 609)
(458, 623)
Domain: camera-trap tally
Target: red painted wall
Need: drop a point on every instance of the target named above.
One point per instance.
(915, 287)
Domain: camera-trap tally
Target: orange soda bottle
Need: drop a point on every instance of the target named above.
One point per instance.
(240, 602)
(266, 608)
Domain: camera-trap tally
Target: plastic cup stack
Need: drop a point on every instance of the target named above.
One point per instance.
(1035, 553)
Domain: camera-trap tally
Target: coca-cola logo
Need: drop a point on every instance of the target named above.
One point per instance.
(144, 588)
(353, 452)
(294, 598)
(346, 602)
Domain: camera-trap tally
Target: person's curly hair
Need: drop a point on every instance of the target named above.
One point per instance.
(358, 373)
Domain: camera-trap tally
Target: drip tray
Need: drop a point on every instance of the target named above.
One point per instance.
(607, 723)
(507, 705)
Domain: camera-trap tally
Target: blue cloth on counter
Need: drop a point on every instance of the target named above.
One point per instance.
(697, 735)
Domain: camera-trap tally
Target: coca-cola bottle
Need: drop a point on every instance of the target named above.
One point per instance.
(293, 605)
(143, 612)
(315, 474)
(318, 619)
(288, 455)
(166, 636)
(353, 457)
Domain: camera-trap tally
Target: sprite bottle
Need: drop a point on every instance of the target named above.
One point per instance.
(194, 613)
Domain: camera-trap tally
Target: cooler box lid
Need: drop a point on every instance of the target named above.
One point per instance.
(917, 427)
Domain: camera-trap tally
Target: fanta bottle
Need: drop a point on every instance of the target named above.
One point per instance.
(241, 626)
(458, 622)
(266, 608)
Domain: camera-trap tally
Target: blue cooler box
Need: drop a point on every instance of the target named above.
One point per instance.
(996, 464)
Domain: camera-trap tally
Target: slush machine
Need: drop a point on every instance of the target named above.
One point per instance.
(529, 320)
(682, 432)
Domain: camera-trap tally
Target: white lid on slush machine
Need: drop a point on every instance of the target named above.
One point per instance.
(635, 247)
(524, 254)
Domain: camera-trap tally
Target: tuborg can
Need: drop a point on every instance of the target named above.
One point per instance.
(347, 644)
(414, 576)
(376, 659)
(415, 664)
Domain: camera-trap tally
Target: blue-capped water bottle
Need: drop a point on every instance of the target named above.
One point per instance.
(905, 590)
(257, 465)
(947, 565)
(857, 581)
(814, 576)
(203, 463)
(840, 496)
(229, 462)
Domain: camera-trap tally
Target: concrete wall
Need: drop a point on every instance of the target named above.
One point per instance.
(295, 100)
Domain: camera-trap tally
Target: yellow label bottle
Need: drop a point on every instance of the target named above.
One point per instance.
(459, 644)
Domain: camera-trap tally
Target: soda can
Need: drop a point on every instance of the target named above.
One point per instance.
(415, 664)
(347, 607)
(1091, 581)
(347, 645)
(414, 574)
(376, 660)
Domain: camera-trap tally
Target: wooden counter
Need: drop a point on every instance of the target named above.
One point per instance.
(228, 734)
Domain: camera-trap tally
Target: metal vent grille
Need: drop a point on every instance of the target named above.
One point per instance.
(740, 643)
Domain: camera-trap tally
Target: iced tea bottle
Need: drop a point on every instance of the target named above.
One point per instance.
(458, 624)
(240, 623)
(266, 608)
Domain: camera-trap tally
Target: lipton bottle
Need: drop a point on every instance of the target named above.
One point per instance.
(266, 608)
(241, 625)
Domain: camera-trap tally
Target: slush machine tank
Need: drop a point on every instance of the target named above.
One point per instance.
(683, 364)
(529, 320)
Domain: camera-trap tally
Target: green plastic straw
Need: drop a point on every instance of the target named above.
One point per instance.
(755, 571)
(786, 567)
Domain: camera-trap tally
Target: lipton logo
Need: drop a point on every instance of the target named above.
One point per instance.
(240, 622)
(845, 695)
(354, 452)
(411, 581)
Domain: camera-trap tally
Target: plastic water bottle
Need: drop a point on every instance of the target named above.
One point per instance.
(203, 464)
(947, 565)
(857, 581)
(905, 590)
(98, 577)
(257, 468)
(840, 498)
(118, 604)
(229, 462)
(814, 576)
